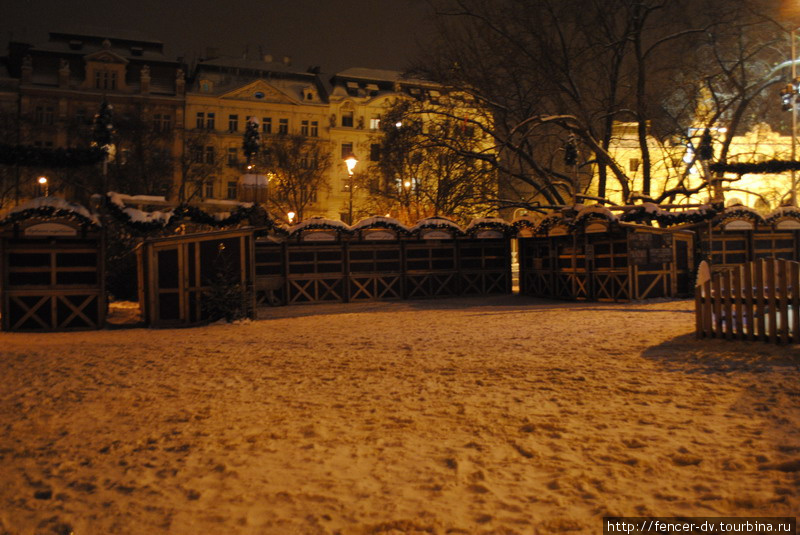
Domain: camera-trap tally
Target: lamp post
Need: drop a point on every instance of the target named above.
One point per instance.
(43, 184)
(350, 162)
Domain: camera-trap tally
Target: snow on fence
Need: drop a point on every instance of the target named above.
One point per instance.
(759, 300)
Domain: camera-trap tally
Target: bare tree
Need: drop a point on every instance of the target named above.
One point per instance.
(199, 162)
(548, 70)
(299, 167)
(427, 164)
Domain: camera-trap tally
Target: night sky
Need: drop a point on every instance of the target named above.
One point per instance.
(334, 34)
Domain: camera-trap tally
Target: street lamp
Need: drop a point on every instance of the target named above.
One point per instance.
(43, 184)
(350, 162)
(290, 215)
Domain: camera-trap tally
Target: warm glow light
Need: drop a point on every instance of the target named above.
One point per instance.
(398, 124)
(350, 162)
(43, 180)
(290, 215)
(407, 183)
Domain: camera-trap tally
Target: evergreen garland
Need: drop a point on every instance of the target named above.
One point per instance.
(641, 214)
(768, 167)
(739, 213)
(48, 212)
(786, 212)
(28, 156)
(383, 224)
(184, 212)
(433, 224)
(508, 230)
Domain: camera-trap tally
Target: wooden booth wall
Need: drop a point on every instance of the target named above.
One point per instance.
(52, 276)
(617, 263)
(728, 246)
(176, 272)
(360, 270)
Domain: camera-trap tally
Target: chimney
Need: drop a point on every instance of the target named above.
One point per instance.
(63, 74)
(27, 69)
(144, 80)
(180, 82)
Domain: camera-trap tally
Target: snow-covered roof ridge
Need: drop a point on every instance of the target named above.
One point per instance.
(740, 211)
(319, 223)
(491, 223)
(436, 223)
(595, 211)
(379, 222)
(783, 212)
(134, 215)
(53, 207)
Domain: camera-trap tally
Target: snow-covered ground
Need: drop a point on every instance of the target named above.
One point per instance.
(501, 415)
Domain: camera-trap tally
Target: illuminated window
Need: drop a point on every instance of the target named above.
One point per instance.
(374, 122)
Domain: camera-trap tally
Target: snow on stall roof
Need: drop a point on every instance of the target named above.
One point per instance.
(140, 216)
(481, 221)
(378, 220)
(316, 221)
(57, 203)
(435, 222)
(584, 211)
(784, 211)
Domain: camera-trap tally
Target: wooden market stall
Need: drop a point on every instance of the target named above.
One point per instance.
(592, 256)
(52, 268)
(740, 235)
(180, 276)
(375, 255)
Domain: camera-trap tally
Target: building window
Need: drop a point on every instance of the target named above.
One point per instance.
(347, 150)
(233, 123)
(233, 189)
(314, 129)
(44, 115)
(210, 154)
(105, 80)
(304, 128)
(283, 126)
(209, 189)
(233, 157)
(375, 152)
(347, 118)
(633, 165)
(374, 122)
(266, 125)
(200, 122)
(197, 154)
(210, 121)
(162, 122)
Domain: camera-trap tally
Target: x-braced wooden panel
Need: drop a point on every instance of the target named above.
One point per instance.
(53, 312)
(431, 285)
(315, 290)
(483, 283)
(375, 287)
(610, 286)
